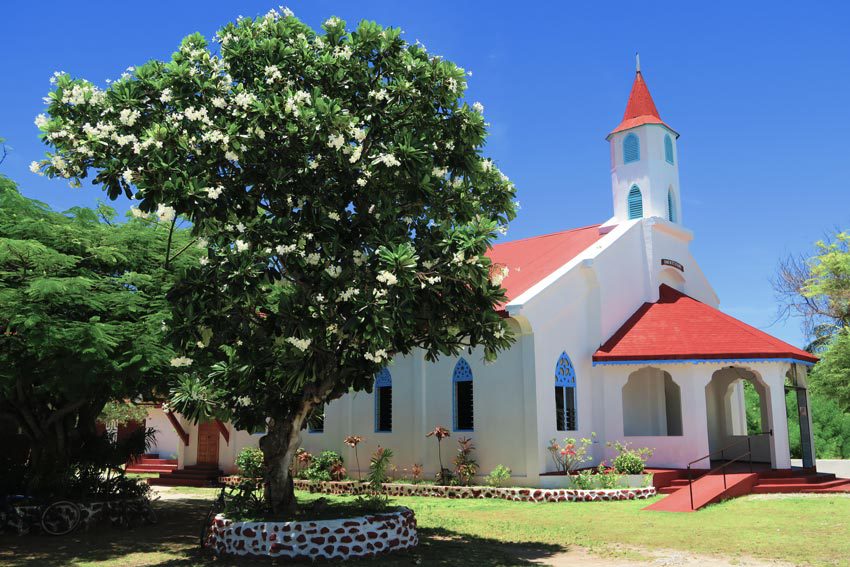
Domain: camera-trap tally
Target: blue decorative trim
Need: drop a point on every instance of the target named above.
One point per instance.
(565, 374)
(697, 361)
(668, 149)
(635, 203)
(631, 148)
(383, 379)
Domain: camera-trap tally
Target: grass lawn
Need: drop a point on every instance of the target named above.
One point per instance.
(798, 530)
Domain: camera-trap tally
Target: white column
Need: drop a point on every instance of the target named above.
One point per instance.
(533, 444)
(780, 450)
(692, 380)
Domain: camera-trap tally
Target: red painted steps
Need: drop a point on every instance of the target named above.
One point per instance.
(151, 463)
(706, 490)
(192, 475)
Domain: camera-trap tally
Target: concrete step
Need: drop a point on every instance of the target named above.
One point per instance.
(771, 487)
(148, 461)
(802, 479)
(150, 468)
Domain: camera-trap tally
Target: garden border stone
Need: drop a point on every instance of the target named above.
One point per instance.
(346, 538)
(516, 494)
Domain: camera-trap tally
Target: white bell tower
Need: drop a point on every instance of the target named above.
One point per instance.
(644, 161)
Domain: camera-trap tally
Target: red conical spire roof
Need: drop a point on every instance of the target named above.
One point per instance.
(640, 108)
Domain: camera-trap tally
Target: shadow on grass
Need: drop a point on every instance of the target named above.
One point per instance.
(174, 542)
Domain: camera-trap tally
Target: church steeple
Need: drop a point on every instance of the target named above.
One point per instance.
(644, 160)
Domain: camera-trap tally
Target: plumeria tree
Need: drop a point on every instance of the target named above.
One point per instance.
(337, 182)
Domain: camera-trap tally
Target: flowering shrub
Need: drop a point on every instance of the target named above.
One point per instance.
(629, 460)
(499, 476)
(320, 467)
(416, 471)
(572, 454)
(301, 462)
(335, 183)
(338, 471)
(465, 465)
(607, 477)
(583, 480)
(249, 461)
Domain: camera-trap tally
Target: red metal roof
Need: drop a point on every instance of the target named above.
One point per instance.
(679, 327)
(640, 108)
(531, 259)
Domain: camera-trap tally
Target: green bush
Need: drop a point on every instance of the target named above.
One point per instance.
(629, 460)
(499, 476)
(607, 478)
(322, 466)
(583, 480)
(250, 462)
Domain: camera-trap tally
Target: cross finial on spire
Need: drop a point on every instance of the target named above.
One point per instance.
(637, 61)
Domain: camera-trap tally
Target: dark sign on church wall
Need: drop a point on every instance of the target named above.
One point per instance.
(672, 264)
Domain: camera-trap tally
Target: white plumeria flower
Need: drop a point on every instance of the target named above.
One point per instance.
(35, 167)
(300, 344)
(241, 245)
(181, 361)
(203, 260)
(334, 216)
(478, 107)
(333, 271)
(281, 249)
(214, 192)
(41, 120)
(240, 227)
(128, 176)
(387, 278)
(165, 213)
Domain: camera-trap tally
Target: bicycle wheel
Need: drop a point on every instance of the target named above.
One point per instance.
(60, 518)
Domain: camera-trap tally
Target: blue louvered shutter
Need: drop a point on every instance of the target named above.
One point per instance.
(635, 203)
(671, 208)
(631, 149)
(668, 148)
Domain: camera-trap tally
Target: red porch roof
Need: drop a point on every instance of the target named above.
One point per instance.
(531, 259)
(679, 327)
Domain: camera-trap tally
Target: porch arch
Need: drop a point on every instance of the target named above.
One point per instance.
(652, 404)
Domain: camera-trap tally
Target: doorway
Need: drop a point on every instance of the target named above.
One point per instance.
(208, 443)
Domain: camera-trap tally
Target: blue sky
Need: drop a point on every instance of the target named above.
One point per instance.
(760, 94)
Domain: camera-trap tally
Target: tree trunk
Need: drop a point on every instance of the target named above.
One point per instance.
(279, 445)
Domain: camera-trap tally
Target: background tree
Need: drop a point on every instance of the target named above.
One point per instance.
(338, 184)
(82, 310)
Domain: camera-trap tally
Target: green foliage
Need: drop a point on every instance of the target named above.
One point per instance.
(629, 460)
(583, 480)
(378, 466)
(830, 425)
(465, 465)
(120, 413)
(572, 454)
(82, 311)
(249, 461)
(607, 477)
(830, 378)
(499, 476)
(321, 466)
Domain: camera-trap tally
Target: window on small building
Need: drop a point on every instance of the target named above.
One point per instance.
(565, 394)
(463, 397)
(631, 149)
(671, 205)
(316, 420)
(635, 203)
(668, 148)
(384, 401)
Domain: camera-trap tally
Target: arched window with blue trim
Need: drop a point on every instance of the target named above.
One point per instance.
(668, 148)
(384, 401)
(631, 148)
(671, 205)
(635, 203)
(463, 397)
(566, 413)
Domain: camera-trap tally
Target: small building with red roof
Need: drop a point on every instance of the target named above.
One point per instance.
(618, 334)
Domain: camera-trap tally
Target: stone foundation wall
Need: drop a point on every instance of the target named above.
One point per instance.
(514, 494)
(365, 536)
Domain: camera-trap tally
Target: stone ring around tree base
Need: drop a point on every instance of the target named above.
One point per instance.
(347, 538)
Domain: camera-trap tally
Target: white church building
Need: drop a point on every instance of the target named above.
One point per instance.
(618, 333)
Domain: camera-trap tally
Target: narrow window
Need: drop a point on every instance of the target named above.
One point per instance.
(384, 401)
(316, 421)
(671, 206)
(463, 396)
(668, 148)
(635, 203)
(631, 149)
(565, 394)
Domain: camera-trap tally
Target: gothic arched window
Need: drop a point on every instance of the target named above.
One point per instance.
(635, 203)
(565, 394)
(668, 148)
(631, 148)
(463, 396)
(671, 205)
(384, 401)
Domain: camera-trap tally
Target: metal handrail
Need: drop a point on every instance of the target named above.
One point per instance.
(748, 454)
